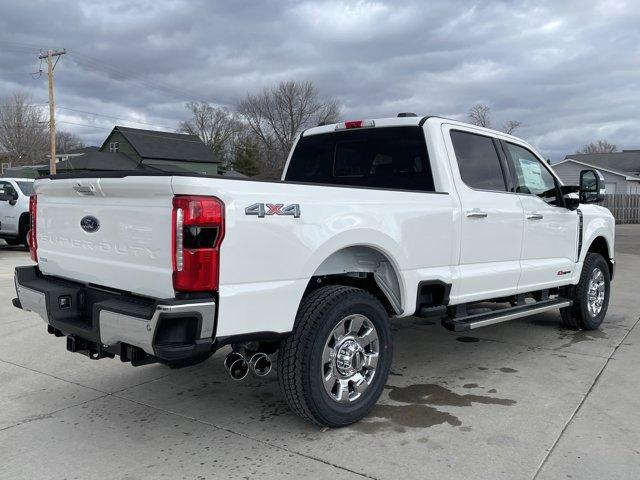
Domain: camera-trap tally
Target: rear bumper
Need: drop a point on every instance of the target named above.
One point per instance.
(103, 323)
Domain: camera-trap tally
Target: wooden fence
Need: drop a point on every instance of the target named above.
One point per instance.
(625, 207)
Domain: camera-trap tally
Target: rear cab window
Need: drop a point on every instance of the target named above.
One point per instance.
(378, 157)
(26, 188)
(478, 161)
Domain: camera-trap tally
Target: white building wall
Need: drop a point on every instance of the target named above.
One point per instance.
(569, 173)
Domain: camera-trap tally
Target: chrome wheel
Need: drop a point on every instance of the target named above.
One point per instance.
(595, 292)
(350, 358)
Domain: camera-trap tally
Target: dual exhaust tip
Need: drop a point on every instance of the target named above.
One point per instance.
(238, 366)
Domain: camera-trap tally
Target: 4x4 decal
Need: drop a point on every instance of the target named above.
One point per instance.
(263, 209)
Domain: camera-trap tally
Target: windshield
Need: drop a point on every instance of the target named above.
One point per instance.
(26, 188)
(383, 157)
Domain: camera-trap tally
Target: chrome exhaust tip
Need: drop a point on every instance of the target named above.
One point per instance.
(260, 364)
(236, 365)
(230, 358)
(239, 369)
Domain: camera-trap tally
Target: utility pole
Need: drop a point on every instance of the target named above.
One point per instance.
(52, 104)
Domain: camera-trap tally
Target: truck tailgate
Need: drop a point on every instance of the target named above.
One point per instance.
(129, 250)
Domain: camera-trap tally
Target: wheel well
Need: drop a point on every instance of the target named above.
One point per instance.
(600, 246)
(363, 267)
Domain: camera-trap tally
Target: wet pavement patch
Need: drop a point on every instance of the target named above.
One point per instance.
(573, 336)
(580, 336)
(417, 408)
(416, 416)
(432, 394)
(467, 339)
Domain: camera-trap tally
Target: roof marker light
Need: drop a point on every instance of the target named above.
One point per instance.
(355, 124)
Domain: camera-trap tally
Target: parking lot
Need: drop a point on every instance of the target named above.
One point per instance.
(521, 400)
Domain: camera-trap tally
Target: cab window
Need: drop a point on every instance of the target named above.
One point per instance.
(26, 188)
(530, 175)
(478, 161)
(379, 157)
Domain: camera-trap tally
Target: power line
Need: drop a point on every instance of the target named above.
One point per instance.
(85, 125)
(118, 72)
(88, 62)
(114, 117)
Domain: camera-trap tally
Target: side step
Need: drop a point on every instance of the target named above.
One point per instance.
(470, 322)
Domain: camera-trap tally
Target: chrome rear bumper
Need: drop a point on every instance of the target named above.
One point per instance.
(114, 322)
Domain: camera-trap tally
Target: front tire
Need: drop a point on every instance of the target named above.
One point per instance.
(334, 365)
(591, 297)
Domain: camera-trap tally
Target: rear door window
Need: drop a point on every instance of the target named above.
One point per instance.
(478, 161)
(382, 157)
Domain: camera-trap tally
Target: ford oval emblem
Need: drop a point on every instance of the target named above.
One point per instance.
(90, 224)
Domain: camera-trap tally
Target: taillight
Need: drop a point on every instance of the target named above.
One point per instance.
(198, 230)
(33, 243)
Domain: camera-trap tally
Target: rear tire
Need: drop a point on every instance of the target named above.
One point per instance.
(334, 365)
(591, 295)
(23, 239)
(25, 223)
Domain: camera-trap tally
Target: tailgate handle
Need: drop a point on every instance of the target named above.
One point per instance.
(84, 189)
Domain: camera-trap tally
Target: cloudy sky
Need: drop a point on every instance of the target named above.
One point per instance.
(569, 71)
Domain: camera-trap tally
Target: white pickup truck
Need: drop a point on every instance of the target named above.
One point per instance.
(372, 219)
(14, 209)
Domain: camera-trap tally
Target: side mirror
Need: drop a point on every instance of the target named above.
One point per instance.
(570, 196)
(591, 186)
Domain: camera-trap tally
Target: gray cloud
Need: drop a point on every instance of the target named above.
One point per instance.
(569, 71)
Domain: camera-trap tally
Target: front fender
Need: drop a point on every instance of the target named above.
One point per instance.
(597, 222)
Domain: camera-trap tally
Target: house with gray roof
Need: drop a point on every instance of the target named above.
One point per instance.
(162, 150)
(621, 170)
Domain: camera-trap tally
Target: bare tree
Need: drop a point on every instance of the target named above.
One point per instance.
(67, 141)
(600, 146)
(217, 127)
(480, 114)
(511, 126)
(23, 130)
(276, 115)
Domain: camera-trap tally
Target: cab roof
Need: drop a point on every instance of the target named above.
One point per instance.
(400, 122)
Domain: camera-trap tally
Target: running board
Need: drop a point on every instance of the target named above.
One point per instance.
(471, 322)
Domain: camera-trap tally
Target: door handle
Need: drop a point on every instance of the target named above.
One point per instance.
(476, 213)
(534, 216)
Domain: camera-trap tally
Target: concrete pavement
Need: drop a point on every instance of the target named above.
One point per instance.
(522, 400)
